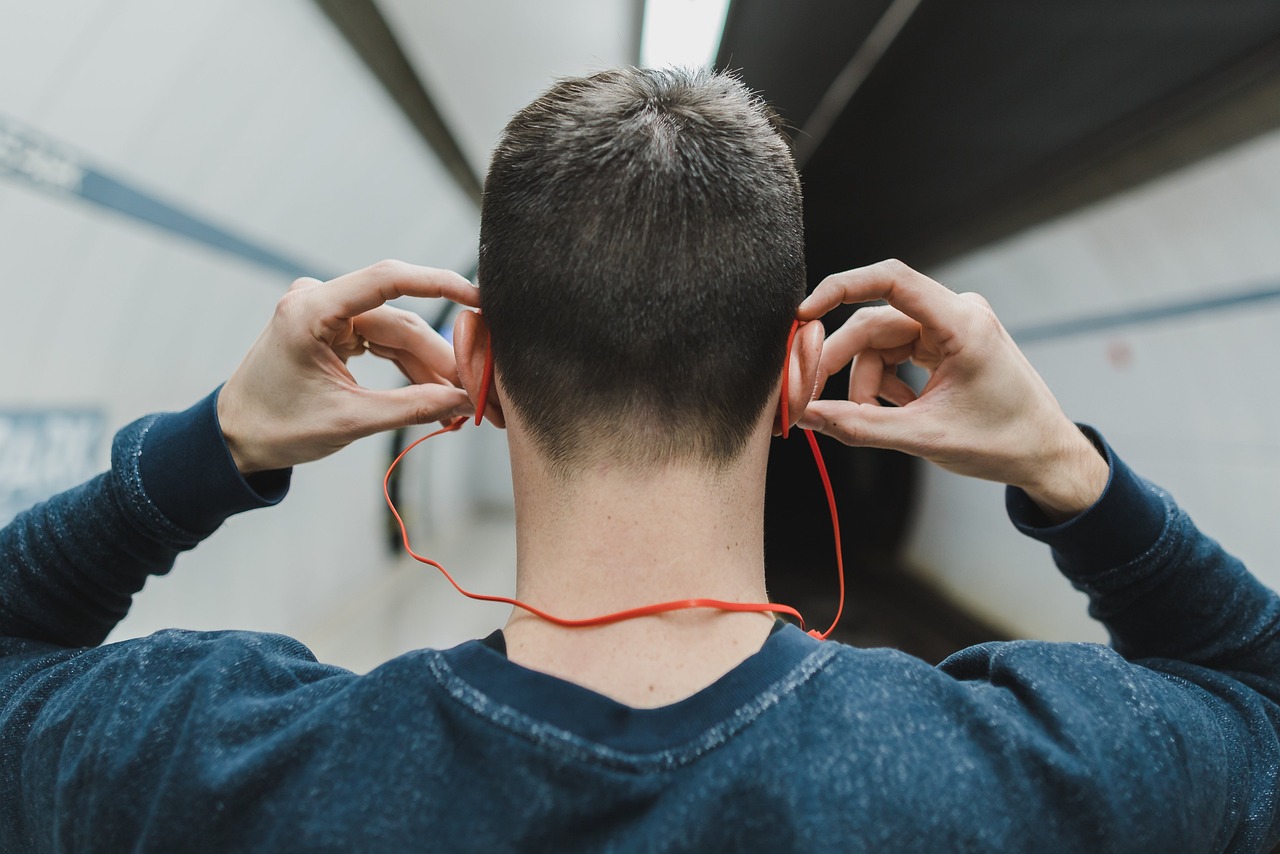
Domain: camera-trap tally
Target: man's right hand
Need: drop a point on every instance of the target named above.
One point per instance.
(292, 400)
(984, 412)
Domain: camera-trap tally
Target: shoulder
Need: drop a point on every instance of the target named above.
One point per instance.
(167, 670)
(1015, 739)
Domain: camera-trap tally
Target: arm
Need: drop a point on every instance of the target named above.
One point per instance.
(1181, 726)
(1197, 693)
(79, 726)
(986, 413)
(1166, 592)
(69, 567)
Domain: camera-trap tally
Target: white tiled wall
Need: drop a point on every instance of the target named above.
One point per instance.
(1188, 401)
(256, 117)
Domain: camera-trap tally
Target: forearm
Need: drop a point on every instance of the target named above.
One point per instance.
(1162, 588)
(1179, 606)
(70, 566)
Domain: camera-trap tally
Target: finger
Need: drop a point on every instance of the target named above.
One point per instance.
(877, 327)
(410, 335)
(364, 290)
(348, 349)
(413, 368)
(304, 282)
(894, 390)
(976, 299)
(864, 379)
(870, 370)
(378, 411)
(902, 287)
(863, 425)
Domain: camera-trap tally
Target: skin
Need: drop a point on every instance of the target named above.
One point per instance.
(984, 412)
(609, 538)
(292, 400)
(612, 538)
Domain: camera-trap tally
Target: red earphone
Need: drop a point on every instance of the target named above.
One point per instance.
(482, 398)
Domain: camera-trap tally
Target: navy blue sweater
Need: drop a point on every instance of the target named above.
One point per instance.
(236, 741)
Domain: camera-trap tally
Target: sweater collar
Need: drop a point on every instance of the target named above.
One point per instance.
(479, 674)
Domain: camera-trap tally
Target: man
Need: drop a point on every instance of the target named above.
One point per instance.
(640, 266)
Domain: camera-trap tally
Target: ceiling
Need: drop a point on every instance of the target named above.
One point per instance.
(970, 122)
(984, 117)
(482, 62)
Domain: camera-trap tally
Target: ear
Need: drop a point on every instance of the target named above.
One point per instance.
(470, 346)
(802, 377)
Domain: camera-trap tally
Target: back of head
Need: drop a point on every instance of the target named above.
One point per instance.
(641, 259)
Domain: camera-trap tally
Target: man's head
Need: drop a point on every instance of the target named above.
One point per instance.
(641, 259)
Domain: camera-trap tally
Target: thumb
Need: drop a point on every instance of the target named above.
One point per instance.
(862, 424)
(410, 405)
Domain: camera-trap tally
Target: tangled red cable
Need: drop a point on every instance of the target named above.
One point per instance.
(644, 610)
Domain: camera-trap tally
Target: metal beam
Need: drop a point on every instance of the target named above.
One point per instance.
(850, 79)
(362, 25)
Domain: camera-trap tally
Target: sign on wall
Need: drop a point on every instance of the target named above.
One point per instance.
(45, 452)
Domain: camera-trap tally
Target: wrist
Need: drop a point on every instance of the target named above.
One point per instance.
(244, 464)
(187, 474)
(1071, 479)
(232, 436)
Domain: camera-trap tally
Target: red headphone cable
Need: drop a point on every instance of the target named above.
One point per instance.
(645, 610)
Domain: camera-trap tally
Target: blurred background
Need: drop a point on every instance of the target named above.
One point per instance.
(1106, 173)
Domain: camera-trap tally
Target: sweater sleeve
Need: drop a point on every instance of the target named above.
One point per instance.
(1181, 723)
(69, 566)
(1164, 590)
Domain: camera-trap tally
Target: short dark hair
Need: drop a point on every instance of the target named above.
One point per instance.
(641, 259)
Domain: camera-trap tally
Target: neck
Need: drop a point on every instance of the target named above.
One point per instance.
(611, 538)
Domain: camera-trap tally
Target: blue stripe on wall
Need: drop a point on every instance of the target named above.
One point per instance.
(1142, 316)
(33, 158)
(29, 156)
